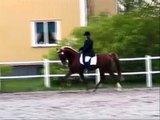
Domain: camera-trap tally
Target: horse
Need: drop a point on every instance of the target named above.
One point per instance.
(105, 62)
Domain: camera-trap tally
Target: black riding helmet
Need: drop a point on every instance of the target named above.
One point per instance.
(86, 33)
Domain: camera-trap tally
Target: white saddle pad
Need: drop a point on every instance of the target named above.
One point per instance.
(93, 60)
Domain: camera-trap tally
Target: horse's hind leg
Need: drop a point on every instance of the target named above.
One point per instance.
(101, 80)
(96, 86)
(119, 87)
(118, 84)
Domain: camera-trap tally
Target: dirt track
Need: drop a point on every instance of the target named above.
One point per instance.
(103, 104)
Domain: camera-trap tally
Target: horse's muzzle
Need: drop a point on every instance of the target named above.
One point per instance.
(64, 63)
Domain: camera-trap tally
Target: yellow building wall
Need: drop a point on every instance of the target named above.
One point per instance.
(103, 6)
(15, 25)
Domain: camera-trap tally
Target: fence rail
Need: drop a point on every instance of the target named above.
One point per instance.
(148, 66)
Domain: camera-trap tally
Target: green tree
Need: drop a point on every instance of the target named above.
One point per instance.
(134, 34)
(129, 5)
(130, 35)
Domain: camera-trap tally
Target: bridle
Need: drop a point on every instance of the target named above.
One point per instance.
(62, 56)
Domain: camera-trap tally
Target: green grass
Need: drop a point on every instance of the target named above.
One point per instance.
(23, 85)
(26, 85)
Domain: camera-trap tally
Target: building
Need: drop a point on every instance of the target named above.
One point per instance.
(29, 28)
(108, 7)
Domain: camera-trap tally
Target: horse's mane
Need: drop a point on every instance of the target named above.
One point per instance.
(68, 47)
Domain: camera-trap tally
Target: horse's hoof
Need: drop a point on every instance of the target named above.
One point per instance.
(88, 91)
(119, 89)
(94, 90)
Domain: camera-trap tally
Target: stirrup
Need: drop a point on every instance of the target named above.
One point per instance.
(86, 70)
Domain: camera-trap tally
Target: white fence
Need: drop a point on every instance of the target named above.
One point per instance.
(148, 65)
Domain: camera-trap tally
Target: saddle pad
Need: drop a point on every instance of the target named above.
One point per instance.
(87, 58)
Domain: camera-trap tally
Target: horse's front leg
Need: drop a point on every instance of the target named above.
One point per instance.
(68, 74)
(84, 81)
(65, 80)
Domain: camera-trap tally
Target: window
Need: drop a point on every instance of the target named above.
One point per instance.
(45, 33)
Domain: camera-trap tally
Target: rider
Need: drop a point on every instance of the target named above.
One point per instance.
(87, 49)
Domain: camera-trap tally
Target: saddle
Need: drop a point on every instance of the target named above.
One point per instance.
(91, 60)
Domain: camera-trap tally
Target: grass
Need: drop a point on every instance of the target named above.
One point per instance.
(26, 85)
(23, 85)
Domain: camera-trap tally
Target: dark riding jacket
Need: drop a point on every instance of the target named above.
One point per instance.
(87, 48)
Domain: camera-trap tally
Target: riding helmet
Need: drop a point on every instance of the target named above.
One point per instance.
(86, 33)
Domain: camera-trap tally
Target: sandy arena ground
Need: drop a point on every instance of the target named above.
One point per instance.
(141, 104)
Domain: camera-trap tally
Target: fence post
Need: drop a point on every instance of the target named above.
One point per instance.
(97, 76)
(46, 74)
(149, 71)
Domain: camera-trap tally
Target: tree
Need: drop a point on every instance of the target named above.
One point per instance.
(129, 5)
(130, 35)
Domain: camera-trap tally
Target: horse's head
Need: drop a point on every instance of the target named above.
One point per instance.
(67, 53)
(62, 56)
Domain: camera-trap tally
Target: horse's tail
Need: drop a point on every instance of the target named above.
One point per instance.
(117, 63)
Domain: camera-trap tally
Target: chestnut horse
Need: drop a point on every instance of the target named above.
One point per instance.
(105, 62)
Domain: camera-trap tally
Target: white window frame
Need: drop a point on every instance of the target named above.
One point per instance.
(33, 33)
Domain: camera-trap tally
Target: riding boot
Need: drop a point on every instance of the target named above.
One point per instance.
(84, 66)
(87, 67)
